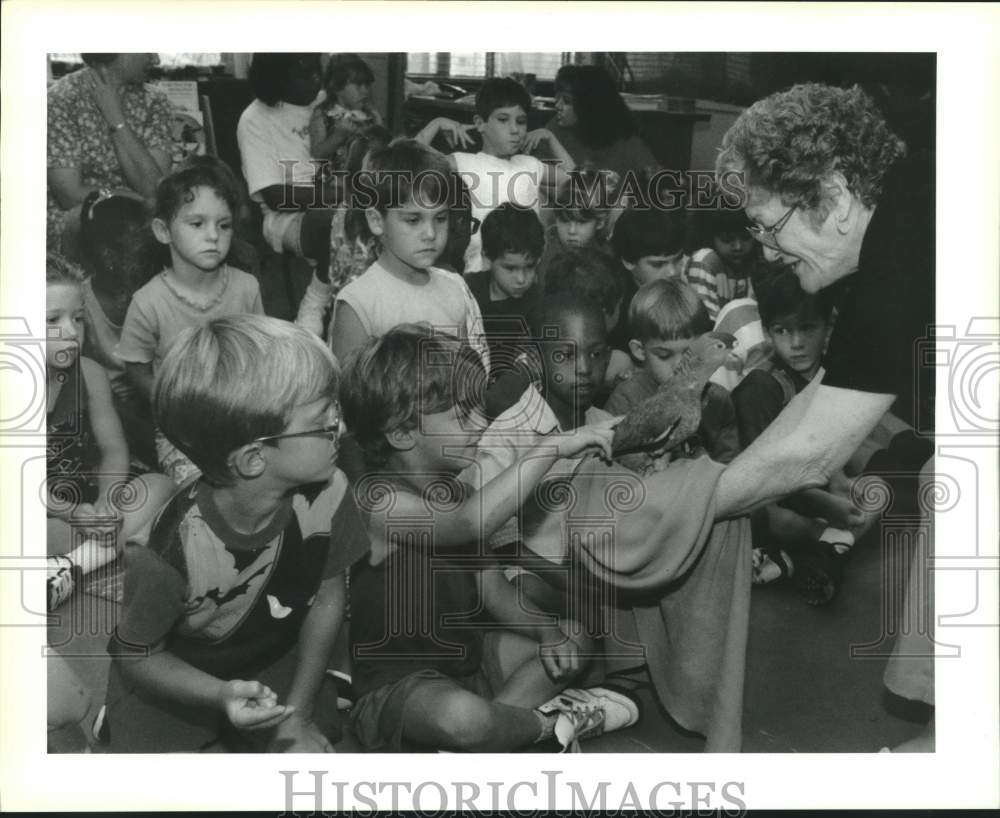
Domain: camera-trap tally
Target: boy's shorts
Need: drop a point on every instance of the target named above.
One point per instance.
(378, 716)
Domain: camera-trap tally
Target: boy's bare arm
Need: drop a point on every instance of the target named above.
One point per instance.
(501, 599)
(812, 437)
(484, 511)
(561, 650)
(107, 428)
(248, 704)
(456, 134)
(556, 173)
(348, 331)
(316, 640)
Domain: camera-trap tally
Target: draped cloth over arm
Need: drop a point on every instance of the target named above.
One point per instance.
(682, 578)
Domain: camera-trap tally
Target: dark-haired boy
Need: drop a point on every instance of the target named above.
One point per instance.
(408, 192)
(816, 525)
(503, 171)
(429, 672)
(513, 240)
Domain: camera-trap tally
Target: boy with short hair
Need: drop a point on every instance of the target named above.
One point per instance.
(428, 671)
(409, 193)
(649, 242)
(238, 599)
(814, 525)
(665, 316)
(506, 290)
(504, 170)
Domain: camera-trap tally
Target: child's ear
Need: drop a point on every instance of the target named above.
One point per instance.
(248, 461)
(376, 221)
(401, 439)
(637, 349)
(161, 231)
(479, 122)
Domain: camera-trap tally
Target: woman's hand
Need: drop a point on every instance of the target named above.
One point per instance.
(107, 99)
(596, 438)
(251, 705)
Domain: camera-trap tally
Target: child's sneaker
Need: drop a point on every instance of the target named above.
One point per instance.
(767, 569)
(589, 713)
(63, 574)
(345, 688)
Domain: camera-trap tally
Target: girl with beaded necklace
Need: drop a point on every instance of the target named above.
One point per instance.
(194, 221)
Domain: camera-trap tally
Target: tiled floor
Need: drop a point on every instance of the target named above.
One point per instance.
(804, 692)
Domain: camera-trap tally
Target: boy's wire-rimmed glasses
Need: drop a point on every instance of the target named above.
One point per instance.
(331, 430)
(768, 235)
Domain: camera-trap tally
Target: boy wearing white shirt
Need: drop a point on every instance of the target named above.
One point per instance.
(503, 171)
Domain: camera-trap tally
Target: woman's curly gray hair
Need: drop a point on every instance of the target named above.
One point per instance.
(789, 143)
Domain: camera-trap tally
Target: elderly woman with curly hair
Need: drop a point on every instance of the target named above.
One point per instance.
(831, 192)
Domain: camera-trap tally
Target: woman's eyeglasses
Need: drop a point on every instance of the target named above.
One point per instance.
(768, 235)
(330, 431)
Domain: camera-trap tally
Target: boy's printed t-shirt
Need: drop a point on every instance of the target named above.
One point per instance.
(382, 301)
(492, 181)
(232, 603)
(274, 149)
(157, 315)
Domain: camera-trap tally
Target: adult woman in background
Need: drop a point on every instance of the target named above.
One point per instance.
(106, 129)
(831, 192)
(594, 124)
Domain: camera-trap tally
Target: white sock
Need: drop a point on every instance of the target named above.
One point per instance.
(841, 540)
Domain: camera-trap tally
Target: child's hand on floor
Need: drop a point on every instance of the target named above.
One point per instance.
(297, 735)
(252, 706)
(596, 438)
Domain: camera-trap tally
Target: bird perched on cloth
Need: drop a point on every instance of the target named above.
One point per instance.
(672, 415)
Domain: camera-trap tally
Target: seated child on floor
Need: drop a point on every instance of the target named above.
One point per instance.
(723, 270)
(665, 316)
(231, 612)
(94, 504)
(814, 529)
(507, 290)
(194, 220)
(649, 242)
(581, 208)
(597, 277)
(412, 401)
(568, 364)
(504, 170)
(411, 223)
(114, 244)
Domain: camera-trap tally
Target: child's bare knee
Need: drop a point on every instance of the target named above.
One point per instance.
(471, 724)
